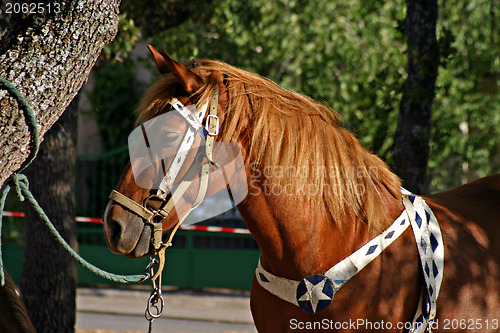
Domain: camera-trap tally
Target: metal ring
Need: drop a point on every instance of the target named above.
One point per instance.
(153, 299)
(151, 209)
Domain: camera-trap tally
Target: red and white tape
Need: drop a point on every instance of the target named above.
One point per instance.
(78, 218)
(187, 227)
(216, 229)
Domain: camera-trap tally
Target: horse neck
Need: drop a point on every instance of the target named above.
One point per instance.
(297, 240)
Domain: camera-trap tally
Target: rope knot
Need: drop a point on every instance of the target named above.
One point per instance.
(18, 179)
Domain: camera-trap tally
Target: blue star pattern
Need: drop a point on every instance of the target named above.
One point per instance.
(315, 293)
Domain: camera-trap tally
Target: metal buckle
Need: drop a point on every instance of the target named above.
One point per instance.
(152, 209)
(207, 126)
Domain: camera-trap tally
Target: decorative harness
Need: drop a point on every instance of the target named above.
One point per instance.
(315, 292)
(155, 217)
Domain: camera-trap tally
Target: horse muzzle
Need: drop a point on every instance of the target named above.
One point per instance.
(125, 232)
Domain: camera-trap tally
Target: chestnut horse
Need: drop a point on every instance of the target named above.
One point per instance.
(13, 315)
(316, 195)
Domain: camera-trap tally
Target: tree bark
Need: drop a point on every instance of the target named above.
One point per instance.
(48, 57)
(411, 144)
(49, 276)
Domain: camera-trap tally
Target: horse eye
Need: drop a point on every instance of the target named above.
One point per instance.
(171, 137)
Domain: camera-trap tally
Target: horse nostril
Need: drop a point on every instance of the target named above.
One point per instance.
(114, 228)
(113, 234)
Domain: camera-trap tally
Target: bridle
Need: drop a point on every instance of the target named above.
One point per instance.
(155, 216)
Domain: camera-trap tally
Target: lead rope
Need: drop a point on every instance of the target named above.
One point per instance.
(21, 187)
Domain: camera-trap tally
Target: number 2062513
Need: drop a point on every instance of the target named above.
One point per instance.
(33, 8)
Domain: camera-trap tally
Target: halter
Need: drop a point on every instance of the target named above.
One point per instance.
(315, 292)
(155, 216)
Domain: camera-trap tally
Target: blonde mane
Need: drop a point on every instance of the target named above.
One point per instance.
(296, 145)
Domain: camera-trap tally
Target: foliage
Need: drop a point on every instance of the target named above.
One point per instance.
(114, 96)
(466, 131)
(156, 16)
(119, 50)
(351, 55)
(116, 90)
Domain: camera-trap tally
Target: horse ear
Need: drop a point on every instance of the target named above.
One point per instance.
(189, 80)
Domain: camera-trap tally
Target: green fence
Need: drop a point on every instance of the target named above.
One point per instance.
(95, 176)
(198, 258)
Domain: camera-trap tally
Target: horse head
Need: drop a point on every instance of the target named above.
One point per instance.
(161, 185)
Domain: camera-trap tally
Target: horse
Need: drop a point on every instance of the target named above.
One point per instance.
(315, 196)
(13, 314)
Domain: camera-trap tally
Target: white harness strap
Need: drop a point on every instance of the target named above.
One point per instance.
(194, 127)
(208, 133)
(431, 251)
(315, 292)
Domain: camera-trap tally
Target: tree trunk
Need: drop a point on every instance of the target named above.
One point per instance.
(411, 144)
(48, 57)
(49, 276)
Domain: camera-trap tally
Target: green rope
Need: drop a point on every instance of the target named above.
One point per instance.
(21, 187)
(30, 120)
(5, 190)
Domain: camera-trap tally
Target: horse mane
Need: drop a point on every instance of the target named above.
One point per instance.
(297, 143)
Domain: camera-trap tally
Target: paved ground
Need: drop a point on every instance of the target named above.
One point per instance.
(105, 323)
(117, 310)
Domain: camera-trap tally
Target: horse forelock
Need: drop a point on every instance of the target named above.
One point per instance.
(297, 143)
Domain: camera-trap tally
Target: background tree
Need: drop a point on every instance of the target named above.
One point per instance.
(49, 276)
(48, 56)
(351, 56)
(411, 144)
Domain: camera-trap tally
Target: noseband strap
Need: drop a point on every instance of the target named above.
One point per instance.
(131, 205)
(155, 217)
